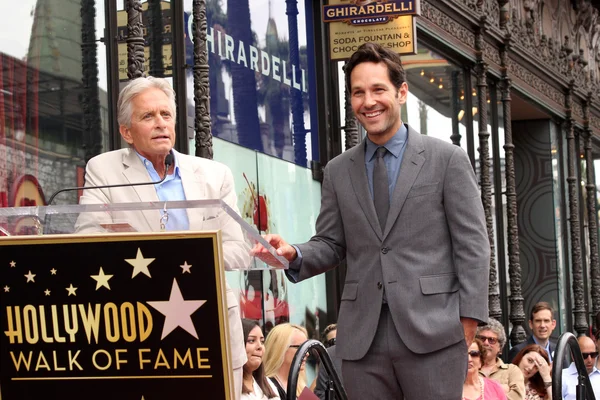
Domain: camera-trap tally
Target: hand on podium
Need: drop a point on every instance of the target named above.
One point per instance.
(282, 247)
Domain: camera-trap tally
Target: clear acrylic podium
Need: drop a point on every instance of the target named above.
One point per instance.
(99, 302)
(204, 215)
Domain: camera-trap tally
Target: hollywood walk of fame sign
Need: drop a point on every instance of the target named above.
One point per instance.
(120, 316)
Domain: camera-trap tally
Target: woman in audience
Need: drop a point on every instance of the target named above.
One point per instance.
(255, 386)
(533, 362)
(281, 345)
(476, 387)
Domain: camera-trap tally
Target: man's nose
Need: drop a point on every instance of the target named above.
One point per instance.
(369, 100)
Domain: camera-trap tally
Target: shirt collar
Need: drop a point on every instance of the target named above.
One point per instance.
(573, 369)
(149, 166)
(394, 145)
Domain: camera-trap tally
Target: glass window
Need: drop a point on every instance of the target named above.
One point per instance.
(53, 102)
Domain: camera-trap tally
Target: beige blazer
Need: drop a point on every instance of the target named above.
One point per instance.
(201, 179)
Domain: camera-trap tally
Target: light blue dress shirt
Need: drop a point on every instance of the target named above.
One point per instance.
(547, 348)
(393, 158)
(171, 189)
(570, 381)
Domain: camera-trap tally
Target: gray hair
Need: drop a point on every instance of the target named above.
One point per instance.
(136, 87)
(496, 327)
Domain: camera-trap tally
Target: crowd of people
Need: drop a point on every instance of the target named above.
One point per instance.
(526, 374)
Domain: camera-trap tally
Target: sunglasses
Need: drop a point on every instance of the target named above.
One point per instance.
(490, 340)
(586, 355)
(294, 346)
(330, 342)
(474, 353)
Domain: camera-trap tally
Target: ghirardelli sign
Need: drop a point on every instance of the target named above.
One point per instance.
(368, 12)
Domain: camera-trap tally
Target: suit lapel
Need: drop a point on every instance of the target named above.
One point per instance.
(360, 184)
(194, 184)
(412, 162)
(135, 172)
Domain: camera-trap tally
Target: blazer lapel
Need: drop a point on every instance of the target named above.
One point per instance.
(194, 187)
(135, 172)
(360, 184)
(412, 162)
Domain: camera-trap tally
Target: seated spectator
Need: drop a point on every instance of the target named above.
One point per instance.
(255, 385)
(328, 336)
(476, 387)
(280, 347)
(542, 324)
(535, 365)
(570, 375)
(509, 376)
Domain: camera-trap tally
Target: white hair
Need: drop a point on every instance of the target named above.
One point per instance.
(136, 87)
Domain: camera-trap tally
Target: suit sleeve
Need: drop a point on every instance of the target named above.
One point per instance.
(327, 248)
(90, 222)
(468, 233)
(236, 252)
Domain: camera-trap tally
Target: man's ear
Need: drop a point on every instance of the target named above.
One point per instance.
(126, 134)
(530, 325)
(403, 93)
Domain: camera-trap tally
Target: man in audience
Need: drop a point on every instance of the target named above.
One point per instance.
(493, 337)
(570, 375)
(541, 323)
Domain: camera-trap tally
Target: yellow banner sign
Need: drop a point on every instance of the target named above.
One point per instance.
(395, 32)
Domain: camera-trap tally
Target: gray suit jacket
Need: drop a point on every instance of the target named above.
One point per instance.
(433, 257)
(201, 179)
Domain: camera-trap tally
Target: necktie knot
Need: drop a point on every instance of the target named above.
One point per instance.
(380, 152)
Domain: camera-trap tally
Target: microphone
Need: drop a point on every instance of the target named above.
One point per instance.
(168, 162)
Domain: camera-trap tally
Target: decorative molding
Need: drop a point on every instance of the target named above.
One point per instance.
(447, 24)
(491, 9)
(491, 53)
(594, 122)
(519, 71)
(577, 111)
(202, 121)
(135, 39)
(351, 127)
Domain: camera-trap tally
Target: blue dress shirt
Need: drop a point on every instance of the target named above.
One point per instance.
(393, 158)
(171, 189)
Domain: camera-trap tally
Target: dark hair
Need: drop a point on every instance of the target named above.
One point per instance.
(259, 373)
(330, 328)
(536, 380)
(542, 305)
(482, 351)
(373, 52)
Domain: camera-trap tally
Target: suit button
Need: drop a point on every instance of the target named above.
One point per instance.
(384, 250)
(379, 285)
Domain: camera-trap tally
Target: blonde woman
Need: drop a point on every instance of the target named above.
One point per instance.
(280, 347)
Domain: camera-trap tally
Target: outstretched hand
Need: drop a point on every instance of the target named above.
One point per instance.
(282, 247)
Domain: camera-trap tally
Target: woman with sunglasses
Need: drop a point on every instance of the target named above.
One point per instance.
(509, 376)
(476, 387)
(280, 347)
(535, 365)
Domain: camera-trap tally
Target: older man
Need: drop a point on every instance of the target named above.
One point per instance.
(146, 115)
(570, 375)
(508, 375)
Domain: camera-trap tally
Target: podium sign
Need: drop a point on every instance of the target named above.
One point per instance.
(118, 316)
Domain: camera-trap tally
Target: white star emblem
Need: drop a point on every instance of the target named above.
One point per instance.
(47, 292)
(140, 264)
(177, 311)
(101, 279)
(186, 267)
(53, 271)
(13, 264)
(71, 290)
(30, 277)
(6, 289)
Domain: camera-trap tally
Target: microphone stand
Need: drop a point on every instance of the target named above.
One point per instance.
(168, 162)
